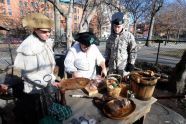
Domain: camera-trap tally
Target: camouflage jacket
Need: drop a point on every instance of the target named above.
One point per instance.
(120, 50)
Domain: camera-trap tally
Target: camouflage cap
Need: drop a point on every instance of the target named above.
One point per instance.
(37, 20)
(118, 21)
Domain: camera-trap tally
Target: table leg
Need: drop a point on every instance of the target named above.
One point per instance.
(140, 121)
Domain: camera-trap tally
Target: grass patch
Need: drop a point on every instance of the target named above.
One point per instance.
(173, 53)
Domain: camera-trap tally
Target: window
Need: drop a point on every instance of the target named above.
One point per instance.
(4, 11)
(25, 4)
(2, 1)
(33, 4)
(36, 4)
(46, 8)
(10, 12)
(74, 10)
(20, 3)
(75, 17)
(21, 12)
(8, 2)
(75, 26)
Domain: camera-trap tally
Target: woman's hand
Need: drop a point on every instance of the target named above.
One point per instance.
(56, 84)
(3, 88)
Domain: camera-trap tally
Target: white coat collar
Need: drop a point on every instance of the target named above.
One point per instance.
(32, 45)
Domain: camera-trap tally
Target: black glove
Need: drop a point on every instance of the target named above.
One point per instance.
(129, 67)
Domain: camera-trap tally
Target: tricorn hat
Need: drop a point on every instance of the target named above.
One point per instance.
(37, 20)
(86, 38)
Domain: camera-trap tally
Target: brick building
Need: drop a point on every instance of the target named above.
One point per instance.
(12, 11)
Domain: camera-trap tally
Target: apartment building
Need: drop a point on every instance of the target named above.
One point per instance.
(12, 11)
(7, 13)
(76, 17)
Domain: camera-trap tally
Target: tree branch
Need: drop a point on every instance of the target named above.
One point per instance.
(61, 11)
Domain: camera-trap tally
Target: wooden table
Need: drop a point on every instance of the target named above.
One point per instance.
(85, 107)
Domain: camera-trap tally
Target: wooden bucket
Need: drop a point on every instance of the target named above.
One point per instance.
(143, 86)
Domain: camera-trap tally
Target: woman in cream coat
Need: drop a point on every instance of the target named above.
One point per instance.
(35, 59)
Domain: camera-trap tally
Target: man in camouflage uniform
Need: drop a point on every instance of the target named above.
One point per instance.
(121, 50)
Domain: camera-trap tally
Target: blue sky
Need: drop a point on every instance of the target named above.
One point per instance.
(64, 0)
(170, 1)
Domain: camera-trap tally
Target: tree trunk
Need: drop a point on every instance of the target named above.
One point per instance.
(156, 5)
(100, 31)
(84, 25)
(57, 23)
(178, 34)
(167, 37)
(134, 28)
(69, 25)
(151, 29)
(151, 26)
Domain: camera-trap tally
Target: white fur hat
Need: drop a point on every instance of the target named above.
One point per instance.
(37, 20)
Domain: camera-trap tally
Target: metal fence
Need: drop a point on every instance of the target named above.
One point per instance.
(7, 54)
(164, 52)
(159, 52)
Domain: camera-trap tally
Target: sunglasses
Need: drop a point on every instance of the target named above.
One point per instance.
(44, 32)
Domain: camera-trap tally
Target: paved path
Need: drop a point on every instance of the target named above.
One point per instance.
(160, 114)
(149, 54)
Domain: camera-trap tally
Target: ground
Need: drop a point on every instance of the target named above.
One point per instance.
(177, 105)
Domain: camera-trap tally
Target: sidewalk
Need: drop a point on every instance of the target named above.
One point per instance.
(160, 114)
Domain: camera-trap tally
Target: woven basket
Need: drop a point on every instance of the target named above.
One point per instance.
(112, 84)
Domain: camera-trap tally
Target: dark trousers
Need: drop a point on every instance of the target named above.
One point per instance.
(28, 109)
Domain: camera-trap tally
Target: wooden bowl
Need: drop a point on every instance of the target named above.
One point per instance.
(116, 111)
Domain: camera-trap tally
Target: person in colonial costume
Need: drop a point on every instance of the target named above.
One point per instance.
(35, 60)
(83, 56)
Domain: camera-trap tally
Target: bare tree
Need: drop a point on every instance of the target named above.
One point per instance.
(69, 22)
(172, 19)
(156, 5)
(102, 19)
(137, 8)
(89, 9)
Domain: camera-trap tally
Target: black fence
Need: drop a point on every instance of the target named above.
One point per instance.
(166, 52)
